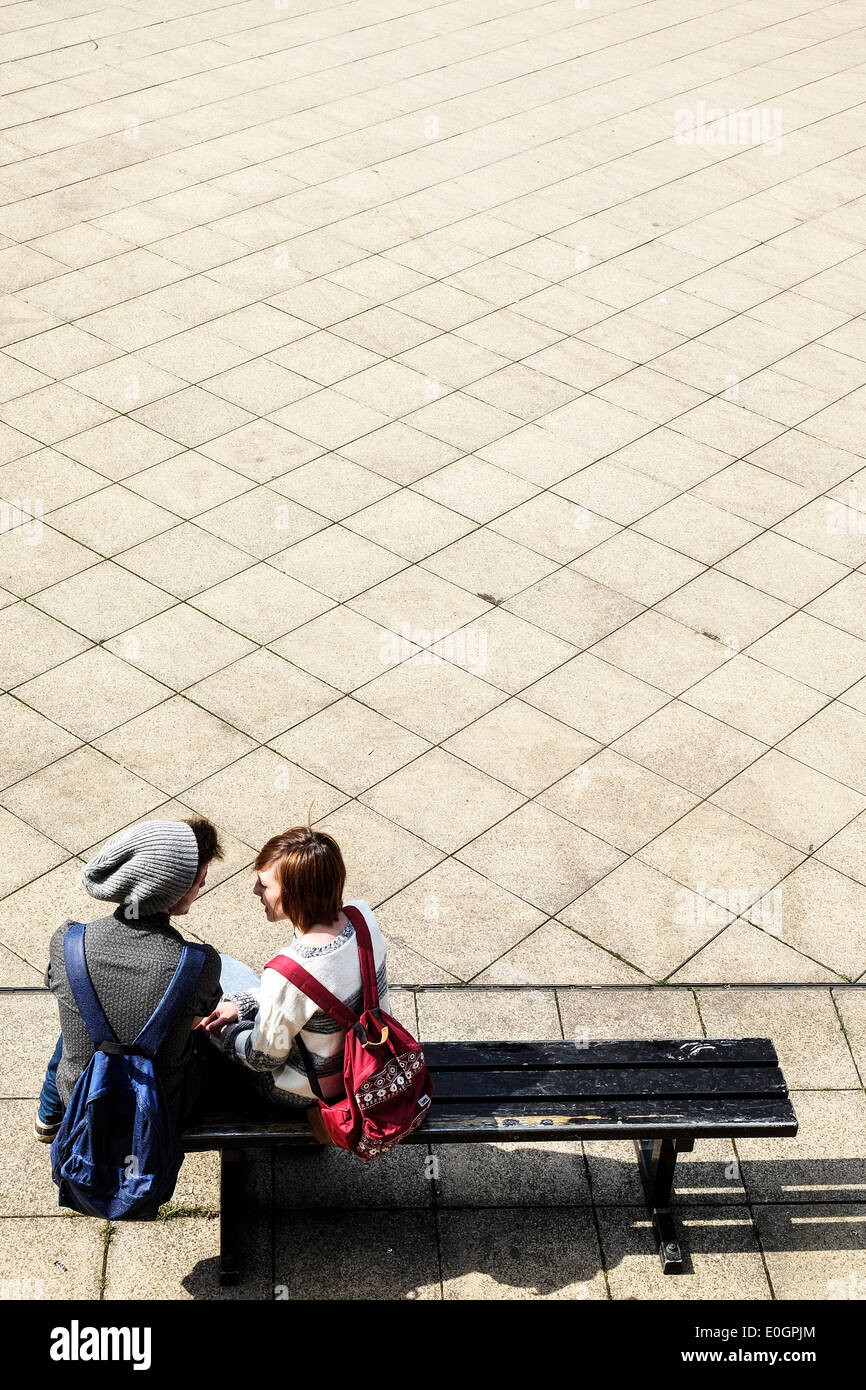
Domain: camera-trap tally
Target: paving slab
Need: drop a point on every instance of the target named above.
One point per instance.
(823, 1163)
(722, 1255)
(52, 1257)
(803, 1024)
(525, 1253)
(510, 1175)
(471, 1013)
(29, 1027)
(178, 1258)
(317, 1255)
(30, 916)
(324, 1178)
(26, 1187)
(814, 1252)
(851, 1007)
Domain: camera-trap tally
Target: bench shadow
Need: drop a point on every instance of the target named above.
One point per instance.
(541, 1248)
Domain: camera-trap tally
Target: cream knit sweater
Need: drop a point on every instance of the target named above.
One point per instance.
(271, 1018)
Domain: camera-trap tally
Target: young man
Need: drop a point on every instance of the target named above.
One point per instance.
(153, 871)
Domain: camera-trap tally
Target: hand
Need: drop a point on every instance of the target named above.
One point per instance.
(215, 1024)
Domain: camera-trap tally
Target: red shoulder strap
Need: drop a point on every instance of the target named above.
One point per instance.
(365, 953)
(314, 989)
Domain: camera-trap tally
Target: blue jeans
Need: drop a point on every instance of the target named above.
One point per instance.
(234, 976)
(50, 1105)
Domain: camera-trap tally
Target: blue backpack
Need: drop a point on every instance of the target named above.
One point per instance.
(117, 1153)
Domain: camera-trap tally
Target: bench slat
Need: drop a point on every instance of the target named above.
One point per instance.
(452, 1122)
(616, 1083)
(227, 1132)
(667, 1107)
(606, 1052)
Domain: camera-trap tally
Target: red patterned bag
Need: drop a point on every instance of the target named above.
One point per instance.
(388, 1087)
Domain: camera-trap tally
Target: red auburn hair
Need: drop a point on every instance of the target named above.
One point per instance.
(310, 871)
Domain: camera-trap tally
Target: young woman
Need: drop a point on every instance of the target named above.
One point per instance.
(270, 1026)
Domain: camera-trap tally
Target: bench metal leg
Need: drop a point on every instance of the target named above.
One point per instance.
(231, 1170)
(657, 1159)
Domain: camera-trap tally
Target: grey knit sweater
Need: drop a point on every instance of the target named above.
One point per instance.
(131, 965)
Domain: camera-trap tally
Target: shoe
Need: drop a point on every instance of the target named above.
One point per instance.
(45, 1132)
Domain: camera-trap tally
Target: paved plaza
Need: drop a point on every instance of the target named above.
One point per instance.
(444, 422)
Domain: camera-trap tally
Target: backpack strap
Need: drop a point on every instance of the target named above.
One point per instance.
(309, 1068)
(102, 1035)
(365, 953)
(315, 990)
(169, 1008)
(80, 983)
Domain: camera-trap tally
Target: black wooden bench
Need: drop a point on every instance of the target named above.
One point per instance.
(663, 1095)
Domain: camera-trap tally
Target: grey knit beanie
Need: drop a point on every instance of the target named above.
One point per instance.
(149, 867)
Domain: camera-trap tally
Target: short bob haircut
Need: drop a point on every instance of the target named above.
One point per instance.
(311, 874)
